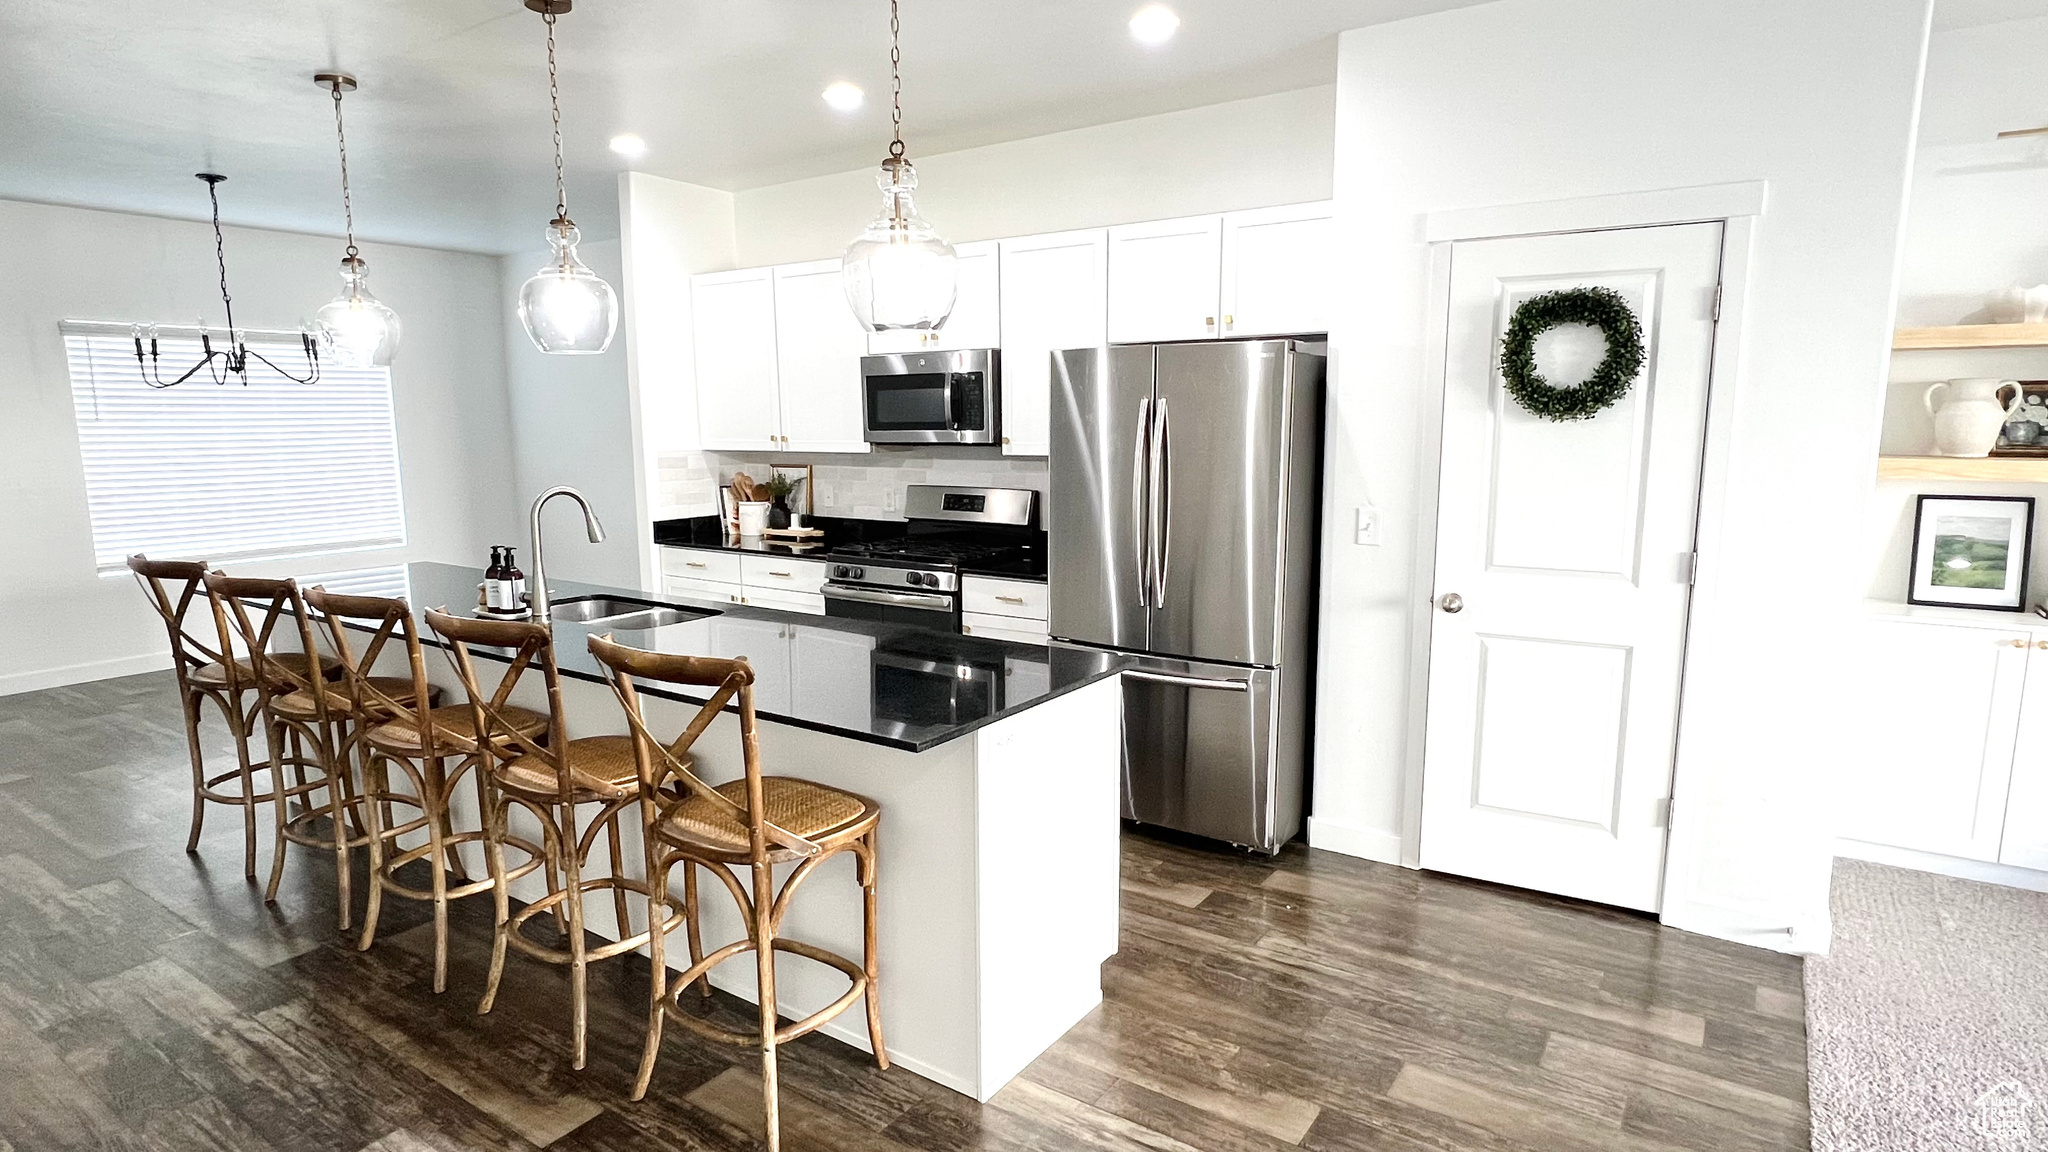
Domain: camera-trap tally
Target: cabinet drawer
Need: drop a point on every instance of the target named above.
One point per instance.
(810, 603)
(782, 573)
(992, 597)
(701, 564)
(1002, 628)
(701, 589)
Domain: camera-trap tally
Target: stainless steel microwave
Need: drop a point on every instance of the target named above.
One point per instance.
(933, 397)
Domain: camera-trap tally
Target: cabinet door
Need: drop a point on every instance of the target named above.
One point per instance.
(818, 347)
(832, 674)
(2025, 842)
(1165, 280)
(733, 314)
(1054, 296)
(1930, 740)
(765, 644)
(1277, 270)
(976, 321)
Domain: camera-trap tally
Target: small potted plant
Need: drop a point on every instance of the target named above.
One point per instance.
(780, 487)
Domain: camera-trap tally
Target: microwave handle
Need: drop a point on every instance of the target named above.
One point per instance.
(952, 425)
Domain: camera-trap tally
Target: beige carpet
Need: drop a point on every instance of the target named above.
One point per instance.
(1927, 1026)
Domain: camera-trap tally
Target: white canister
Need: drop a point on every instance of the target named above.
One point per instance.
(1967, 421)
(754, 516)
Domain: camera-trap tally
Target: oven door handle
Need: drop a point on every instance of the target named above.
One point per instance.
(896, 599)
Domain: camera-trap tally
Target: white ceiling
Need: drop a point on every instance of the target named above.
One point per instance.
(115, 103)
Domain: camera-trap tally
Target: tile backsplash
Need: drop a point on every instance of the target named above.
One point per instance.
(863, 487)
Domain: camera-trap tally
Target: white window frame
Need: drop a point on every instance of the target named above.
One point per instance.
(181, 472)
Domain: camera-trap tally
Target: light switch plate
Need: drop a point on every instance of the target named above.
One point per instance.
(1368, 531)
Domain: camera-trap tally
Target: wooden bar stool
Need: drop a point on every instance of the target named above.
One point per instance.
(754, 823)
(419, 740)
(550, 781)
(310, 724)
(207, 675)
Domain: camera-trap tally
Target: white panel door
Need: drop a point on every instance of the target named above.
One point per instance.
(818, 346)
(2024, 841)
(976, 321)
(1929, 748)
(1054, 295)
(733, 318)
(1278, 270)
(1165, 280)
(1562, 572)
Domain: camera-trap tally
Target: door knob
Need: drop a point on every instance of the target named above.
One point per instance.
(1451, 602)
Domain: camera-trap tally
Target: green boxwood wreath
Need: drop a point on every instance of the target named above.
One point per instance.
(1604, 309)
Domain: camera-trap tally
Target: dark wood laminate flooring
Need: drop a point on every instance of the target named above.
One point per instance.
(150, 1000)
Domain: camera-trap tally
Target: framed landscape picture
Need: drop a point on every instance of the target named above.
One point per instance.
(1972, 551)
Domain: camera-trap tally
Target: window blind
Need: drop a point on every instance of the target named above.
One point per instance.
(227, 472)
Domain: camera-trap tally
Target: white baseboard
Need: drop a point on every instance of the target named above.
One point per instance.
(2012, 876)
(16, 682)
(1335, 835)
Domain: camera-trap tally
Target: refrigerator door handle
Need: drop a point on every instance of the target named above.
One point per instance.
(1141, 496)
(1161, 495)
(1189, 681)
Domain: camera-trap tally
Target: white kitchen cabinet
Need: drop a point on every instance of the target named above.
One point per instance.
(1165, 280)
(1054, 295)
(701, 589)
(818, 346)
(734, 318)
(1278, 269)
(765, 644)
(976, 321)
(1012, 628)
(1929, 745)
(833, 674)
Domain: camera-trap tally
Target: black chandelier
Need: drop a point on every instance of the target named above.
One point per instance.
(234, 360)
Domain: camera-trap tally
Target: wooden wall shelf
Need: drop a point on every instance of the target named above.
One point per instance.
(1973, 336)
(2013, 469)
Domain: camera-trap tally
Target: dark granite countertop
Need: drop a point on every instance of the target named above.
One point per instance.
(887, 684)
(708, 532)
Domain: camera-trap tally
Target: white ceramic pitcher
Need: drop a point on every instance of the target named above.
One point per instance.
(1967, 421)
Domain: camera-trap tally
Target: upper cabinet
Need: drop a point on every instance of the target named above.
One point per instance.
(734, 318)
(976, 321)
(818, 346)
(1054, 295)
(1164, 280)
(1277, 270)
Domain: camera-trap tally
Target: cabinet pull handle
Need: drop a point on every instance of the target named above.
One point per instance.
(784, 575)
(2041, 643)
(1228, 319)
(1209, 320)
(2018, 643)
(1020, 600)
(695, 564)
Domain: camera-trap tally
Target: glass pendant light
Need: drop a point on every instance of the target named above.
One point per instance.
(898, 273)
(359, 330)
(567, 309)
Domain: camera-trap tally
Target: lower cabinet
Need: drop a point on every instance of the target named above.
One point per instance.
(766, 579)
(1946, 750)
(1003, 609)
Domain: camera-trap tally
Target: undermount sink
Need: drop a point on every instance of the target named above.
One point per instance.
(625, 615)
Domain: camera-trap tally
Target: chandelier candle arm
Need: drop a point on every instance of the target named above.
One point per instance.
(358, 329)
(567, 309)
(898, 273)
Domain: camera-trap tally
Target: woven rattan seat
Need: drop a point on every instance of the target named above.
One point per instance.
(300, 704)
(600, 768)
(216, 676)
(810, 810)
(454, 728)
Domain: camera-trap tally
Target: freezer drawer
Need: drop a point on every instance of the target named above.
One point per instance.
(1207, 750)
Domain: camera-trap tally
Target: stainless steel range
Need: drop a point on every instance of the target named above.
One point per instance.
(915, 578)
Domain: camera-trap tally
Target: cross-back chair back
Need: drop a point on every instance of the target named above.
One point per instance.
(531, 646)
(387, 620)
(251, 609)
(171, 586)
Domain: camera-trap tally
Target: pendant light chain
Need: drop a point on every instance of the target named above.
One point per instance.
(896, 80)
(555, 105)
(220, 253)
(348, 214)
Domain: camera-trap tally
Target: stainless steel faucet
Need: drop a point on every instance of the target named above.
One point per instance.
(537, 596)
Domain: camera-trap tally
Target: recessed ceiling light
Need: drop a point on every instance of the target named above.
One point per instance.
(845, 97)
(629, 145)
(1154, 24)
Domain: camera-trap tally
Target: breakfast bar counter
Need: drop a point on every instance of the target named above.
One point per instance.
(996, 766)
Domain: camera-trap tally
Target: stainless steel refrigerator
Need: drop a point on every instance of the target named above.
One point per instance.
(1183, 523)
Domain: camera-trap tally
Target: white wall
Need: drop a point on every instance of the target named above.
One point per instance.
(1535, 100)
(1243, 154)
(63, 623)
(572, 423)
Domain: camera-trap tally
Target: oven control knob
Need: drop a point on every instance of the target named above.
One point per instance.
(839, 572)
(859, 573)
(928, 580)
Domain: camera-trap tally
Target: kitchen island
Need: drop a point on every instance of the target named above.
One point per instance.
(996, 766)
